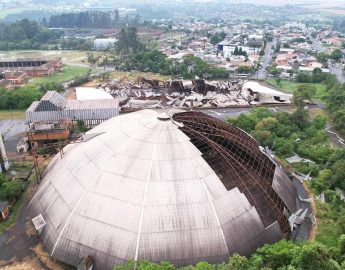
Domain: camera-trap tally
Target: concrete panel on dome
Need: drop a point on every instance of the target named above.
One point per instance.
(285, 189)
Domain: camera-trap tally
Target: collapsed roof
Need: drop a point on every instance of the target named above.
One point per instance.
(180, 187)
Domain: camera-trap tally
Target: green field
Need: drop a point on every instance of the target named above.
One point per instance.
(68, 73)
(12, 114)
(291, 87)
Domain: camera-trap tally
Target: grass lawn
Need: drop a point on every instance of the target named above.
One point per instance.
(291, 86)
(12, 114)
(68, 73)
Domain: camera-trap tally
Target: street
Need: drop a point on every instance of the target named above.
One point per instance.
(261, 74)
(334, 69)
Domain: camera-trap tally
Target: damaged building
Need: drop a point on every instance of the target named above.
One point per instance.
(199, 93)
(54, 107)
(161, 185)
(256, 93)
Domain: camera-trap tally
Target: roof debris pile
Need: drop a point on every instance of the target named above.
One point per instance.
(146, 93)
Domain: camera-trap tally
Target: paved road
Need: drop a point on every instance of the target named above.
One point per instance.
(267, 58)
(334, 69)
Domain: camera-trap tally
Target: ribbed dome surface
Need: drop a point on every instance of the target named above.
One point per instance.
(140, 189)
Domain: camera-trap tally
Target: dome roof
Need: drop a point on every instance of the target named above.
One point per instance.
(153, 186)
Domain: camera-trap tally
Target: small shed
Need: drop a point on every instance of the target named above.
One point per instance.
(4, 210)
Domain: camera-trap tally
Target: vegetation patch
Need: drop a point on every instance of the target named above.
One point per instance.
(291, 86)
(12, 114)
(68, 73)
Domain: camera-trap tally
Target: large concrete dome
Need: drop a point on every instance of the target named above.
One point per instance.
(183, 189)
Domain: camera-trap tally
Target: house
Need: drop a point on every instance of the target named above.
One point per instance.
(41, 71)
(287, 50)
(4, 210)
(310, 69)
(32, 67)
(15, 77)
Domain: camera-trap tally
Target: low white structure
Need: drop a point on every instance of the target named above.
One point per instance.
(104, 43)
(90, 93)
(257, 93)
(3, 157)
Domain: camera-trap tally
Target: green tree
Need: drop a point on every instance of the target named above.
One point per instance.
(336, 55)
(237, 262)
(128, 41)
(314, 256)
(321, 183)
(339, 121)
(320, 121)
(13, 188)
(265, 137)
(236, 51)
(303, 93)
(277, 255)
(338, 174)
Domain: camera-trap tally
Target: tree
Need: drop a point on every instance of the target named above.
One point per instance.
(320, 121)
(128, 41)
(244, 121)
(301, 117)
(336, 55)
(321, 183)
(236, 51)
(341, 244)
(277, 255)
(303, 93)
(12, 188)
(339, 121)
(267, 123)
(238, 262)
(336, 98)
(264, 137)
(317, 70)
(322, 57)
(314, 256)
(273, 70)
(338, 174)
(303, 78)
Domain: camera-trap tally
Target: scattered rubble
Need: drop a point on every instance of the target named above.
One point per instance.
(146, 93)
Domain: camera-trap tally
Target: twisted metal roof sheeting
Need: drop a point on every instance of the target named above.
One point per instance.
(142, 190)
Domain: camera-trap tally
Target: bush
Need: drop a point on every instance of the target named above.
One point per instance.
(10, 189)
